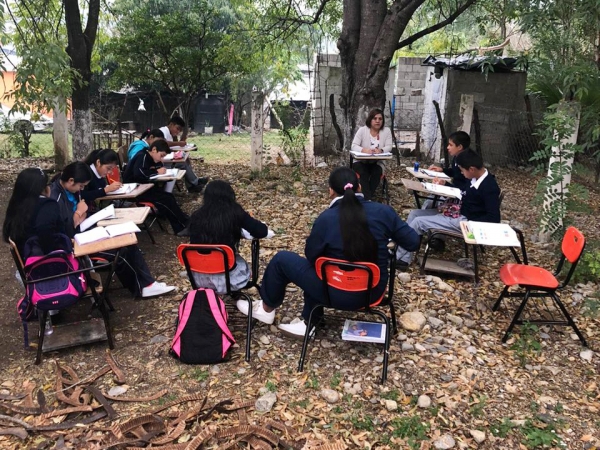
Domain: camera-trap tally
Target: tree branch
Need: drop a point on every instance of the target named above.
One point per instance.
(451, 18)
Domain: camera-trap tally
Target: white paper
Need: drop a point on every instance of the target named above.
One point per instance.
(121, 228)
(368, 155)
(355, 330)
(433, 173)
(187, 147)
(443, 190)
(125, 189)
(498, 234)
(168, 173)
(106, 213)
(247, 235)
(169, 157)
(93, 235)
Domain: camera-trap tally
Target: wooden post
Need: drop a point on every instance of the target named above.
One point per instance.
(559, 159)
(60, 135)
(258, 99)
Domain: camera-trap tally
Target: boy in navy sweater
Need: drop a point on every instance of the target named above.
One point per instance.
(480, 202)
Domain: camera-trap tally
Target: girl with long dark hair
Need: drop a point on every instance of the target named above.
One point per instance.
(353, 229)
(220, 220)
(101, 163)
(131, 269)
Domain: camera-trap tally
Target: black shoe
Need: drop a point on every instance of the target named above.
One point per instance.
(437, 244)
(185, 232)
(203, 180)
(196, 189)
(402, 266)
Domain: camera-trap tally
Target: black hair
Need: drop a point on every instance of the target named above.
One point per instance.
(105, 156)
(460, 138)
(220, 216)
(177, 121)
(469, 158)
(372, 115)
(29, 186)
(78, 170)
(161, 146)
(359, 243)
(156, 132)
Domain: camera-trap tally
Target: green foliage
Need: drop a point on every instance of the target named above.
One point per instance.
(312, 382)
(526, 343)
(410, 428)
(591, 307)
(365, 423)
(477, 409)
(557, 126)
(336, 379)
(542, 435)
(502, 429)
(588, 268)
(393, 394)
(199, 374)
(271, 387)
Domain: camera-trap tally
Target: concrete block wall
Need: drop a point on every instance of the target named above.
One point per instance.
(328, 80)
(410, 84)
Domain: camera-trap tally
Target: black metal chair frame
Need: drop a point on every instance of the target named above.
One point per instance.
(538, 292)
(385, 193)
(99, 301)
(233, 294)
(387, 301)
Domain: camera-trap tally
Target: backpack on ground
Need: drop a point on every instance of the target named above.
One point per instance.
(56, 293)
(202, 335)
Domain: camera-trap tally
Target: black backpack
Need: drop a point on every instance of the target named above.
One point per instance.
(202, 335)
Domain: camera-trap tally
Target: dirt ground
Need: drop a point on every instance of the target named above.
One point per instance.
(449, 383)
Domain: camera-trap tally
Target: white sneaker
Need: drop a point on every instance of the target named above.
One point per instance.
(156, 289)
(258, 312)
(296, 329)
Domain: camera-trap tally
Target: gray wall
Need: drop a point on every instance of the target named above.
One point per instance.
(500, 105)
(328, 80)
(410, 84)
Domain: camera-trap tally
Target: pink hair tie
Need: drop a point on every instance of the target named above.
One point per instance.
(348, 186)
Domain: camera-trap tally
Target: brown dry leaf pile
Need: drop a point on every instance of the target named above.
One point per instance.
(452, 384)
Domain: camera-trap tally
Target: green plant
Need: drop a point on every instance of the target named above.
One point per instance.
(410, 428)
(271, 387)
(336, 379)
(591, 307)
(312, 382)
(390, 395)
(199, 374)
(540, 435)
(588, 268)
(477, 409)
(365, 423)
(526, 343)
(501, 429)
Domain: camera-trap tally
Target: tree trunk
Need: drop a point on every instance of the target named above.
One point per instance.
(79, 49)
(60, 135)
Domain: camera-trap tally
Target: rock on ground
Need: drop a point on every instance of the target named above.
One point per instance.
(424, 401)
(445, 442)
(265, 402)
(479, 436)
(412, 321)
(330, 396)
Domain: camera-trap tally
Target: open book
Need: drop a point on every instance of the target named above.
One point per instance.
(367, 155)
(433, 173)
(168, 173)
(106, 213)
(100, 233)
(443, 190)
(485, 233)
(187, 147)
(364, 331)
(125, 189)
(173, 155)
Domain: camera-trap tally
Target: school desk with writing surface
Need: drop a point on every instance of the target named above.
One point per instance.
(179, 176)
(171, 158)
(476, 235)
(417, 187)
(137, 215)
(139, 190)
(359, 156)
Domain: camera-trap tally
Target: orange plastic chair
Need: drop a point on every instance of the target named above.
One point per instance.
(355, 277)
(216, 259)
(539, 282)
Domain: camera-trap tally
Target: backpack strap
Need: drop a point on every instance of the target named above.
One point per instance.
(218, 314)
(185, 308)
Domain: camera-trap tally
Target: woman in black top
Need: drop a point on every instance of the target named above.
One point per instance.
(145, 164)
(220, 220)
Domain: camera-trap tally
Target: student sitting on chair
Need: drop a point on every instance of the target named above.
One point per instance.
(144, 142)
(145, 164)
(372, 139)
(480, 202)
(38, 209)
(101, 163)
(458, 142)
(171, 131)
(221, 220)
(353, 229)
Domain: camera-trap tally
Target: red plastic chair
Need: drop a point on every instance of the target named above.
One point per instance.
(355, 277)
(539, 282)
(219, 259)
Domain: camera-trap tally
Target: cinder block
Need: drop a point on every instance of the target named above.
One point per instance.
(415, 92)
(402, 83)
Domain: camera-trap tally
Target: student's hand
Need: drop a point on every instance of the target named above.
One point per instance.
(182, 143)
(161, 170)
(435, 168)
(439, 181)
(113, 187)
(367, 150)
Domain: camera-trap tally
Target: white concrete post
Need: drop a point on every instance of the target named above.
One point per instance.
(466, 113)
(258, 100)
(60, 134)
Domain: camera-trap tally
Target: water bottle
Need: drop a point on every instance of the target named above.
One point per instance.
(416, 167)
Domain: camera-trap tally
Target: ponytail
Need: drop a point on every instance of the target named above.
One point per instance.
(358, 241)
(105, 156)
(156, 132)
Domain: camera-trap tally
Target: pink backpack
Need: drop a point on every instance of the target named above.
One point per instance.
(202, 335)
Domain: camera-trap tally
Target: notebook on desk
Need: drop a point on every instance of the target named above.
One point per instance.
(100, 233)
(105, 213)
(368, 155)
(168, 173)
(443, 190)
(125, 189)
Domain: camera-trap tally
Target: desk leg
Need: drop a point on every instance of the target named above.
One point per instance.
(100, 303)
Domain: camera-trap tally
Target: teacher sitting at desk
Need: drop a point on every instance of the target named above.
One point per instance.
(372, 139)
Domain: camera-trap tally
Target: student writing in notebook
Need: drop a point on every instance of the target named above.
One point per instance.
(101, 162)
(220, 220)
(144, 165)
(480, 202)
(371, 139)
(353, 229)
(458, 142)
(131, 268)
(170, 132)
